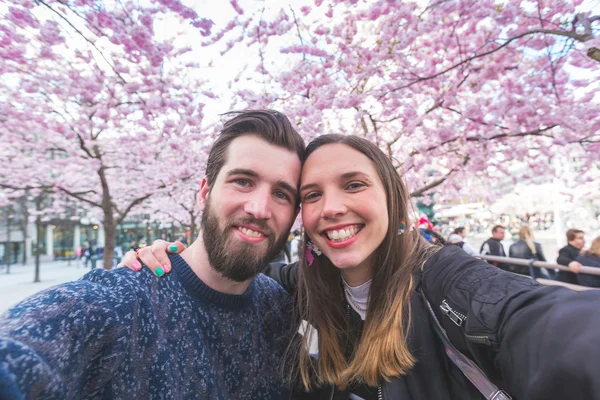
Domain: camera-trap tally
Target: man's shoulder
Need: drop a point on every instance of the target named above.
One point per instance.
(568, 249)
(268, 287)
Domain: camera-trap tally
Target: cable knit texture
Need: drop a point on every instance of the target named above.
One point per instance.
(126, 335)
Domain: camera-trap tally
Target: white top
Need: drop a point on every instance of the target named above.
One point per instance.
(358, 296)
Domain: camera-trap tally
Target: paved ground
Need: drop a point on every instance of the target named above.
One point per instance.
(19, 285)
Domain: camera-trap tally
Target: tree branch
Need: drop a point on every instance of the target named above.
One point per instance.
(78, 196)
(579, 37)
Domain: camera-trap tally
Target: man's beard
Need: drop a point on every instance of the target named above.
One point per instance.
(236, 260)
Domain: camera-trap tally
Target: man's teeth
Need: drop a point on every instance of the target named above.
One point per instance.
(342, 234)
(250, 232)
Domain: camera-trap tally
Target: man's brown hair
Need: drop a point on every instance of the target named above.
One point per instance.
(572, 233)
(495, 228)
(269, 125)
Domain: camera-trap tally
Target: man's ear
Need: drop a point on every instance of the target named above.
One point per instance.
(203, 194)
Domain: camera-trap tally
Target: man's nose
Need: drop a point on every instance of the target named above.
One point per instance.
(333, 206)
(259, 205)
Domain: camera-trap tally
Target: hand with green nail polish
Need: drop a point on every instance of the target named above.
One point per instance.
(155, 257)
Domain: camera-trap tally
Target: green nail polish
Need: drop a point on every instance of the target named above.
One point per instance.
(173, 248)
(159, 272)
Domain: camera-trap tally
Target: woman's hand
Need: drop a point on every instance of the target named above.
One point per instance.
(154, 257)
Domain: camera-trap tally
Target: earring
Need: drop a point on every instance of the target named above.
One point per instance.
(310, 248)
(402, 227)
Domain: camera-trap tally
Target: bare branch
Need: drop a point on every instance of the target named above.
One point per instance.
(134, 203)
(573, 35)
(79, 196)
(299, 35)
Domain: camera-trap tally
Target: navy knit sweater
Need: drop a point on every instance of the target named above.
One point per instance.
(127, 335)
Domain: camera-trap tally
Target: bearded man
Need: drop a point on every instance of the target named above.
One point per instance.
(214, 328)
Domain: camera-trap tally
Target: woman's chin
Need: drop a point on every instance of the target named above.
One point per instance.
(345, 263)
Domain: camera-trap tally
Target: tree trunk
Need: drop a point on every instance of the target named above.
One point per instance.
(110, 231)
(25, 222)
(7, 253)
(110, 227)
(38, 230)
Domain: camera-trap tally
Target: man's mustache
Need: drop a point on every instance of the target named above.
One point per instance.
(260, 224)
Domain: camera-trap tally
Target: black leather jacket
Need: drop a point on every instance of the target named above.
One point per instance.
(519, 249)
(589, 260)
(513, 328)
(565, 256)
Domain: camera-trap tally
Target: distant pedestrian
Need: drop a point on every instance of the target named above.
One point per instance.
(133, 245)
(567, 256)
(526, 249)
(88, 253)
(295, 245)
(183, 239)
(590, 258)
(494, 247)
(457, 238)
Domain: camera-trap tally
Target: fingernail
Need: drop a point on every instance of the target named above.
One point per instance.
(167, 268)
(173, 249)
(136, 266)
(159, 272)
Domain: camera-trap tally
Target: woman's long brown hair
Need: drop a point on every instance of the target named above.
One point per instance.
(382, 351)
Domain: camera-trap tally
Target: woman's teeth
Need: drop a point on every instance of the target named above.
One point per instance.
(340, 235)
(250, 232)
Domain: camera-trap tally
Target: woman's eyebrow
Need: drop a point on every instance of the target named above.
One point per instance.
(308, 186)
(356, 174)
(344, 176)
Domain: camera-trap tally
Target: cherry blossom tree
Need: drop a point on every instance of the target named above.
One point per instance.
(453, 91)
(91, 98)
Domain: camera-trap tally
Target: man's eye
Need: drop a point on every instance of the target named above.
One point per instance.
(243, 182)
(281, 195)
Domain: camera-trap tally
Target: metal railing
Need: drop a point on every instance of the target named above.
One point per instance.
(538, 264)
(544, 264)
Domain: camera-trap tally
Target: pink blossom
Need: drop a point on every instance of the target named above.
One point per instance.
(21, 17)
(236, 7)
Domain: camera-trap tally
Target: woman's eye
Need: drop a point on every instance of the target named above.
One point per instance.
(310, 196)
(354, 185)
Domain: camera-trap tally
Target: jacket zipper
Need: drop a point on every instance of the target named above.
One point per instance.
(379, 394)
(455, 316)
(480, 339)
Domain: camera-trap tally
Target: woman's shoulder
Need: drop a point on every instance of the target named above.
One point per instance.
(589, 260)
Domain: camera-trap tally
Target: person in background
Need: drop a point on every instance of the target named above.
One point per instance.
(567, 256)
(493, 247)
(133, 245)
(590, 258)
(88, 252)
(457, 238)
(295, 245)
(183, 240)
(527, 249)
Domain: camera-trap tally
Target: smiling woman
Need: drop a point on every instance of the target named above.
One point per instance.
(352, 211)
